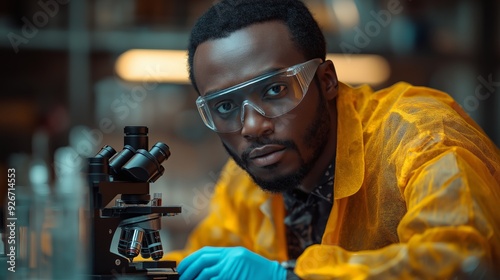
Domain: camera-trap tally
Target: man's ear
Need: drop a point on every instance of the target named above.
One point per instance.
(328, 78)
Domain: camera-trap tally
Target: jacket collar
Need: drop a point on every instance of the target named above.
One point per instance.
(350, 162)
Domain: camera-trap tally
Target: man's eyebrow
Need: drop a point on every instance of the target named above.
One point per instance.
(266, 72)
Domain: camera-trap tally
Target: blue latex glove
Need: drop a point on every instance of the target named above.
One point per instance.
(229, 263)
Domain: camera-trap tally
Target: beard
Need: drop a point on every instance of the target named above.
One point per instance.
(315, 138)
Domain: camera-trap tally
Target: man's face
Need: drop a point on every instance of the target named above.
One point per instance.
(278, 153)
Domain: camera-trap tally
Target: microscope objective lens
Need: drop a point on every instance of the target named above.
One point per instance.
(130, 243)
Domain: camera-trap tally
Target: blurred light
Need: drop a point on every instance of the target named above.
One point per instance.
(361, 68)
(38, 174)
(346, 13)
(170, 66)
(153, 66)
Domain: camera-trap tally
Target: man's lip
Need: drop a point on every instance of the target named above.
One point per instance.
(265, 150)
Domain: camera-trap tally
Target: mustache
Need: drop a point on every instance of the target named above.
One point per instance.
(289, 144)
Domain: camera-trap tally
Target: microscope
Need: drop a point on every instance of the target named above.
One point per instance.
(122, 209)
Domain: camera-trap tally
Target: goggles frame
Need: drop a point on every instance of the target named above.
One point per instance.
(303, 72)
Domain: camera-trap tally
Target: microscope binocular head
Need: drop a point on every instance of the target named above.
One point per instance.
(138, 165)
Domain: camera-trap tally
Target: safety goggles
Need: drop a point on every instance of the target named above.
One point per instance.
(272, 95)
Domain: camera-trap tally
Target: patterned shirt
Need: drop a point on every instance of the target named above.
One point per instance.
(307, 214)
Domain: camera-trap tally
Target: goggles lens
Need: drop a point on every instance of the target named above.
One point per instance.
(272, 95)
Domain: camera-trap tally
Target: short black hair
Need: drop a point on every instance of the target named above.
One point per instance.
(228, 16)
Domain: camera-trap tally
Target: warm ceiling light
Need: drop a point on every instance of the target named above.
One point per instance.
(162, 66)
(361, 68)
(346, 13)
(170, 66)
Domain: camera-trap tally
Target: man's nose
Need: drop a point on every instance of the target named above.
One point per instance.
(254, 122)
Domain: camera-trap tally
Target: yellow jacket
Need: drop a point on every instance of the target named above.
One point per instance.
(417, 195)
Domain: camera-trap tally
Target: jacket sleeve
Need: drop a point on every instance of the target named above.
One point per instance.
(451, 229)
(451, 187)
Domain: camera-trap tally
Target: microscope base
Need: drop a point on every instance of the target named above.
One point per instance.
(164, 270)
(153, 275)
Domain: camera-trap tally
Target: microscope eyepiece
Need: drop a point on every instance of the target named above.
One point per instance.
(146, 166)
(160, 151)
(98, 170)
(135, 162)
(120, 159)
(106, 152)
(136, 136)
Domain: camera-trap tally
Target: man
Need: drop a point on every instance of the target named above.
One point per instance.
(393, 184)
